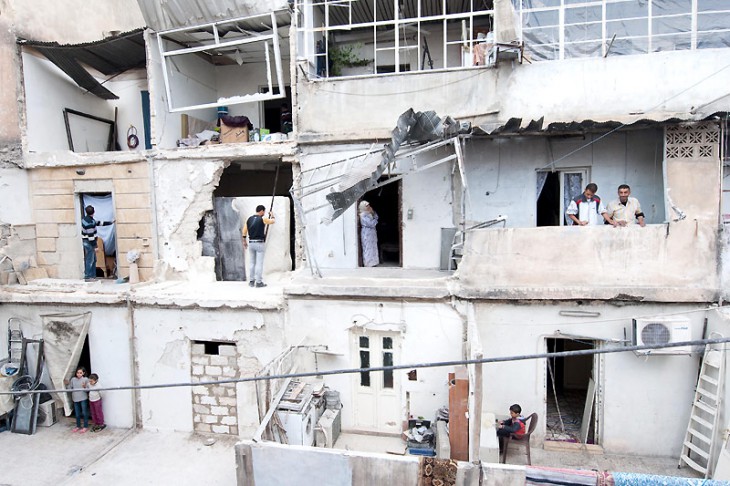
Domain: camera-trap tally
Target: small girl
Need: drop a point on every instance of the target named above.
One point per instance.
(80, 397)
(97, 413)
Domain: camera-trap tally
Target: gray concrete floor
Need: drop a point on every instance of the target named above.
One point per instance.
(56, 456)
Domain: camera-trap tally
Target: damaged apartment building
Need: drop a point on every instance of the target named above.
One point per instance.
(468, 126)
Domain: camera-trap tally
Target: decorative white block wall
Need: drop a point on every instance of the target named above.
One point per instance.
(214, 406)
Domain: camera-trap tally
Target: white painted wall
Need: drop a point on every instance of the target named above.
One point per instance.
(109, 338)
(433, 332)
(15, 208)
(636, 394)
(577, 89)
(247, 79)
(428, 194)
(49, 90)
(164, 339)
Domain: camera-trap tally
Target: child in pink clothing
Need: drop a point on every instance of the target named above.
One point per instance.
(97, 413)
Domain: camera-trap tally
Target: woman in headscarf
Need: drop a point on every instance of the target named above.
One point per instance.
(368, 234)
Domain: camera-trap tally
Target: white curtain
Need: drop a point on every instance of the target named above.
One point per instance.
(104, 211)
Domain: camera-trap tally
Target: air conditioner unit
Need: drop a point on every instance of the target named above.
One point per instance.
(47, 413)
(328, 429)
(649, 331)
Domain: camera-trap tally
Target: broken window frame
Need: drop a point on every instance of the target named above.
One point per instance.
(273, 37)
(468, 35)
(606, 38)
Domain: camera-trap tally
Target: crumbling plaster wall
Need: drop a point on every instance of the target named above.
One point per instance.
(183, 193)
(164, 338)
(659, 386)
(677, 261)
(10, 95)
(432, 331)
(74, 21)
(672, 83)
(110, 351)
(15, 200)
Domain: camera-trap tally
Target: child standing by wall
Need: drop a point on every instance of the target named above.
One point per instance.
(97, 413)
(79, 384)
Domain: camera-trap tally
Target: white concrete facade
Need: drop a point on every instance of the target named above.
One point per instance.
(506, 297)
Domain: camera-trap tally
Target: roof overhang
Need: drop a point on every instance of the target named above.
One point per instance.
(109, 56)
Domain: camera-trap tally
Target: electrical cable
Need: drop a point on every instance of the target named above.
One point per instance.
(436, 364)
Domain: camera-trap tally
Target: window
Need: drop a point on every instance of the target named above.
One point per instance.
(358, 37)
(198, 62)
(552, 29)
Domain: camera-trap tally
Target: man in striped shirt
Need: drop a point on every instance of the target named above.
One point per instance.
(88, 237)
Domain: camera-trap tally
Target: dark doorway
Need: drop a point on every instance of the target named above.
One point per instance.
(386, 201)
(220, 230)
(548, 204)
(568, 387)
(272, 109)
(106, 236)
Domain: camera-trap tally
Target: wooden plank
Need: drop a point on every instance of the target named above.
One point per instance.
(458, 409)
(585, 424)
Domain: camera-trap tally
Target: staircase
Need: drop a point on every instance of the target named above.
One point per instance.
(699, 442)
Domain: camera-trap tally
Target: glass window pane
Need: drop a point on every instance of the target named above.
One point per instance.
(539, 3)
(626, 10)
(547, 35)
(388, 374)
(547, 52)
(627, 28)
(629, 46)
(711, 5)
(540, 19)
(671, 25)
(713, 22)
(582, 49)
(713, 40)
(364, 342)
(669, 7)
(583, 32)
(364, 363)
(387, 343)
(579, 15)
(672, 43)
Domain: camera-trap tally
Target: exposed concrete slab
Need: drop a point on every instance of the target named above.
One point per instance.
(235, 295)
(116, 456)
(380, 282)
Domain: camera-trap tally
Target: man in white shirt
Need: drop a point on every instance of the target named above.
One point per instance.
(625, 210)
(587, 209)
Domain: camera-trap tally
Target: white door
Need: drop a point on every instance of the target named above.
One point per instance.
(377, 393)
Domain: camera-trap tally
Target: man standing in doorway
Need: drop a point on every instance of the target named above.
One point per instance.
(587, 209)
(88, 237)
(625, 210)
(255, 229)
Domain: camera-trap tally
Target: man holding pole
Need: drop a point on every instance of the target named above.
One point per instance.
(255, 229)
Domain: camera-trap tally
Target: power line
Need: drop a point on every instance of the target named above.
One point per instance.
(437, 364)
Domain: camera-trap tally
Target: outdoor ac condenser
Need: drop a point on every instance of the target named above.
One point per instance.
(328, 429)
(47, 413)
(662, 330)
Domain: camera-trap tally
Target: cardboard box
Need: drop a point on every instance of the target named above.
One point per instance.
(233, 134)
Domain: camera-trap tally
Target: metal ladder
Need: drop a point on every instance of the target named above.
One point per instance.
(699, 443)
(15, 341)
